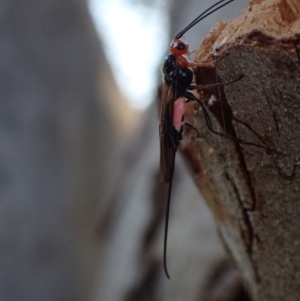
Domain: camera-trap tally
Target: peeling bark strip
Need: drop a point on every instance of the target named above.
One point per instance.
(255, 195)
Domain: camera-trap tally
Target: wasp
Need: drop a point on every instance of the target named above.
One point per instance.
(178, 77)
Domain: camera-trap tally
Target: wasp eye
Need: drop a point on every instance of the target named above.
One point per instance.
(180, 46)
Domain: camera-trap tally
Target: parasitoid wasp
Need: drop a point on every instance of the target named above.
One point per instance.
(178, 77)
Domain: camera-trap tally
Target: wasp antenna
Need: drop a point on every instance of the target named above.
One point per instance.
(202, 16)
(167, 223)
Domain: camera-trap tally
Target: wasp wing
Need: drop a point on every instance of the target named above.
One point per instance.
(167, 143)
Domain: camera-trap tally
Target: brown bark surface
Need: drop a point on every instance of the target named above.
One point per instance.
(254, 193)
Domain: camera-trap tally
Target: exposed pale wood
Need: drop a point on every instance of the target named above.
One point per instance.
(254, 193)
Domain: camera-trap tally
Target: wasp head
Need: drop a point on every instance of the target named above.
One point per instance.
(178, 47)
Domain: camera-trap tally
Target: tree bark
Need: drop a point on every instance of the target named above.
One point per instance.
(254, 192)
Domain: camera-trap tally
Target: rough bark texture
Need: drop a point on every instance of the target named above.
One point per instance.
(253, 193)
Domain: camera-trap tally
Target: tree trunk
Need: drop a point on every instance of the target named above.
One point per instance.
(253, 192)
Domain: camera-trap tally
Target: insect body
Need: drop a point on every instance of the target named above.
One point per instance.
(178, 78)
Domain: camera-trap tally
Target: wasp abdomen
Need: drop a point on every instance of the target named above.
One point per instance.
(178, 113)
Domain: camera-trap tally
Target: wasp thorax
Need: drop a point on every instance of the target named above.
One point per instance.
(178, 47)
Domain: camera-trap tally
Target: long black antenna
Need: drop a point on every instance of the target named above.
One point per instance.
(202, 16)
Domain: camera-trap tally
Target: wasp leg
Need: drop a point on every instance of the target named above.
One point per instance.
(191, 97)
(213, 86)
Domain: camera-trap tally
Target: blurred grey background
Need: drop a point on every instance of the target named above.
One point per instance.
(81, 208)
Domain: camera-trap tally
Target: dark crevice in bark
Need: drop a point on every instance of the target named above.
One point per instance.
(276, 124)
(219, 108)
(247, 177)
(249, 236)
(246, 211)
(271, 108)
(250, 128)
